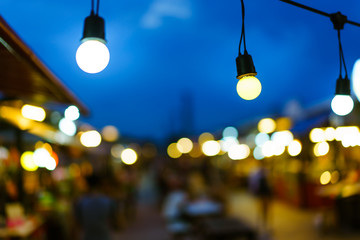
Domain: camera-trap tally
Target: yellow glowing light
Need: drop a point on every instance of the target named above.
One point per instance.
(211, 148)
(282, 138)
(239, 151)
(128, 156)
(196, 151)
(204, 137)
(173, 151)
(267, 125)
(294, 148)
(321, 149)
(249, 87)
(317, 135)
(90, 138)
(278, 149)
(27, 161)
(72, 113)
(342, 133)
(325, 177)
(335, 177)
(110, 133)
(116, 150)
(33, 112)
(48, 147)
(268, 148)
(184, 145)
(92, 56)
(283, 123)
(330, 134)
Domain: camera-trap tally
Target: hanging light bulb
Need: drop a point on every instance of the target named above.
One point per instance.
(342, 103)
(248, 87)
(93, 56)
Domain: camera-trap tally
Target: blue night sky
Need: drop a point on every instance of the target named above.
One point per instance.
(165, 51)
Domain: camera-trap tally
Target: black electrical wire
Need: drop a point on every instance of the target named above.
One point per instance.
(97, 7)
(242, 29)
(342, 58)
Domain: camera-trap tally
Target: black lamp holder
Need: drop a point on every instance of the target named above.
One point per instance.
(244, 63)
(94, 26)
(338, 20)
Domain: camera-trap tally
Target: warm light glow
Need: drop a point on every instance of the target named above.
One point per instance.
(116, 150)
(196, 151)
(325, 178)
(27, 161)
(204, 137)
(283, 123)
(268, 149)
(330, 134)
(321, 149)
(342, 104)
(294, 148)
(92, 56)
(317, 135)
(110, 133)
(41, 157)
(278, 149)
(230, 132)
(211, 148)
(184, 145)
(128, 156)
(267, 125)
(249, 87)
(33, 112)
(90, 139)
(227, 142)
(67, 126)
(282, 138)
(239, 151)
(335, 177)
(341, 133)
(72, 113)
(173, 151)
(261, 138)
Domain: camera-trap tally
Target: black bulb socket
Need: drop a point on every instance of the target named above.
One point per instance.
(94, 28)
(343, 86)
(245, 66)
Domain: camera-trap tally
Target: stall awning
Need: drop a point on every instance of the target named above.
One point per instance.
(24, 76)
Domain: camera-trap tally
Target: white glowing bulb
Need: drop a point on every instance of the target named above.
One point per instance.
(92, 56)
(342, 104)
(249, 87)
(72, 113)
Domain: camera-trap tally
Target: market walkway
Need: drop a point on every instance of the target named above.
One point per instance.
(288, 222)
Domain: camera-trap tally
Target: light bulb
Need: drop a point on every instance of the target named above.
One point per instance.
(92, 56)
(248, 87)
(342, 104)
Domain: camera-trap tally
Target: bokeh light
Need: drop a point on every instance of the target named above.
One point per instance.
(268, 149)
(173, 151)
(321, 149)
(196, 151)
(335, 177)
(227, 142)
(211, 148)
(67, 126)
(325, 177)
(27, 161)
(116, 150)
(261, 138)
(33, 112)
(294, 148)
(230, 132)
(110, 133)
(239, 151)
(72, 113)
(184, 145)
(282, 138)
(128, 156)
(90, 139)
(317, 135)
(283, 123)
(330, 134)
(204, 137)
(258, 153)
(267, 125)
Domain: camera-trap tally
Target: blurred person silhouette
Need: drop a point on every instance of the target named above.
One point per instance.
(95, 212)
(260, 187)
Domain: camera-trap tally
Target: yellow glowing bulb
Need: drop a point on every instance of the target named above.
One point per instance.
(184, 145)
(211, 148)
(129, 156)
(33, 112)
(110, 133)
(317, 135)
(249, 87)
(325, 178)
(204, 137)
(321, 149)
(90, 139)
(294, 148)
(267, 125)
(173, 151)
(27, 161)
